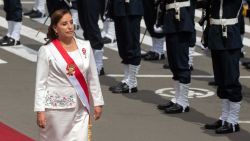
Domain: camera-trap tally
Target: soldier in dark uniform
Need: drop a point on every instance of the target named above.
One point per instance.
(89, 12)
(13, 9)
(179, 28)
(127, 16)
(156, 52)
(224, 41)
(246, 13)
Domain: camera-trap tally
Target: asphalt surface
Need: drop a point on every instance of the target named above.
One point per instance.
(126, 117)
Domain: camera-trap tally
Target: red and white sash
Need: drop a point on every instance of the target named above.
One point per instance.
(72, 72)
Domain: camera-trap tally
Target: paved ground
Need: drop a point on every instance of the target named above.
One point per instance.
(126, 117)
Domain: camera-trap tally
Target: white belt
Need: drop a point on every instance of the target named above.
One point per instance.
(224, 22)
(177, 5)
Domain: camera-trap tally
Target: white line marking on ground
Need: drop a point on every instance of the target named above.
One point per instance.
(23, 52)
(2, 61)
(246, 122)
(27, 2)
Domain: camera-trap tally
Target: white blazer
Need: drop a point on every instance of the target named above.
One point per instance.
(54, 90)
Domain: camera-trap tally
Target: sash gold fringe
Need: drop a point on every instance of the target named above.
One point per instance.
(90, 130)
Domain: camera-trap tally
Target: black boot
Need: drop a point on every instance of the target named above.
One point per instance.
(166, 66)
(191, 68)
(214, 125)
(37, 14)
(9, 42)
(101, 72)
(124, 88)
(228, 128)
(29, 12)
(176, 108)
(212, 83)
(4, 39)
(165, 106)
(247, 66)
(114, 87)
(151, 55)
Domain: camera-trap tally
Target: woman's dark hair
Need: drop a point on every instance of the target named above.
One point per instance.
(55, 18)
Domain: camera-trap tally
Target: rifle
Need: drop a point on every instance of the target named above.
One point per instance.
(160, 6)
(108, 12)
(205, 5)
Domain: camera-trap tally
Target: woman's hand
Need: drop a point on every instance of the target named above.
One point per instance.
(97, 112)
(41, 120)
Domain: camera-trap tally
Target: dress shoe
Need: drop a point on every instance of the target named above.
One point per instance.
(212, 83)
(37, 14)
(245, 63)
(124, 88)
(217, 124)
(166, 105)
(228, 128)
(176, 108)
(191, 68)
(4, 39)
(151, 55)
(29, 12)
(118, 85)
(247, 66)
(107, 40)
(9, 42)
(101, 72)
(166, 66)
(242, 55)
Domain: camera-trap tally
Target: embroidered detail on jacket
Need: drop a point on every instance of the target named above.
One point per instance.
(58, 101)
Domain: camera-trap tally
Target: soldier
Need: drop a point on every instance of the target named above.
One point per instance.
(127, 16)
(178, 25)
(156, 52)
(13, 9)
(224, 41)
(246, 13)
(89, 12)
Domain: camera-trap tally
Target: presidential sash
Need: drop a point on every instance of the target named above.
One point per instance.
(72, 72)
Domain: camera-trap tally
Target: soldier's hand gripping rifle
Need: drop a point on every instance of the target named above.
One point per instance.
(160, 5)
(205, 5)
(108, 12)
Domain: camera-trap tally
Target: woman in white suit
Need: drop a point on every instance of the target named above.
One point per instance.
(66, 78)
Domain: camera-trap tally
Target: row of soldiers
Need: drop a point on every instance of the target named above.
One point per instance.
(175, 21)
(171, 21)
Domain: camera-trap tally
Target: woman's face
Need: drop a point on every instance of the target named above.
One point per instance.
(65, 27)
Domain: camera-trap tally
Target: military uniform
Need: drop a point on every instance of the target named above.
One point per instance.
(89, 12)
(157, 51)
(13, 9)
(127, 16)
(225, 44)
(178, 28)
